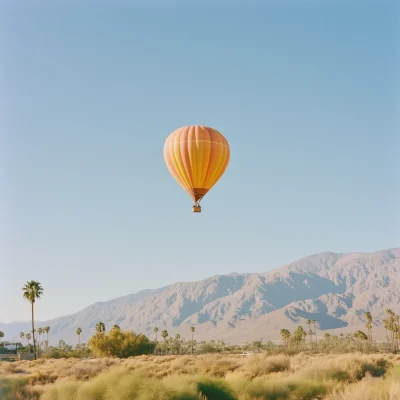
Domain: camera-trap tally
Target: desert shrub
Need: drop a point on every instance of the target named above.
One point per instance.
(259, 389)
(349, 368)
(57, 353)
(215, 367)
(16, 389)
(307, 390)
(120, 344)
(214, 389)
(41, 378)
(204, 377)
(368, 389)
(7, 367)
(394, 372)
(119, 384)
(62, 391)
(261, 365)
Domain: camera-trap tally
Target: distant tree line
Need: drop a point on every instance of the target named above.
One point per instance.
(126, 343)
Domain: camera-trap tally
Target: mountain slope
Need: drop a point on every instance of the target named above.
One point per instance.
(334, 289)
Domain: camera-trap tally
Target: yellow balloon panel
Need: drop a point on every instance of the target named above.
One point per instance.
(197, 157)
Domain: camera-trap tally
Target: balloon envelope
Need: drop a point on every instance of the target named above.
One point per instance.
(197, 157)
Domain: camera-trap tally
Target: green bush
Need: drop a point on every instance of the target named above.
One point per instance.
(214, 389)
(57, 353)
(120, 344)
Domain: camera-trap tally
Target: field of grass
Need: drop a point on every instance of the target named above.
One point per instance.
(205, 377)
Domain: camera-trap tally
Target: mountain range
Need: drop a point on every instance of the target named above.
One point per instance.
(332, 288)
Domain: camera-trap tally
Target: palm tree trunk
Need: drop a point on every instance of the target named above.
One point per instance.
(387, 339)
(316, 339)
(79, 340)
(393, 341)
(33, 333)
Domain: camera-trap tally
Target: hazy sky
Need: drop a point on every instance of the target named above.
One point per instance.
(305, 95)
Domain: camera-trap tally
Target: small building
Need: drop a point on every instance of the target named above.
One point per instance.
(25, 356)
(10, 346)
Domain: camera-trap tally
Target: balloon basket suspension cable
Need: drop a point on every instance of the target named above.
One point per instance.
(196, 206)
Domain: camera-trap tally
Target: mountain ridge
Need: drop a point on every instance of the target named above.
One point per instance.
(333, 288)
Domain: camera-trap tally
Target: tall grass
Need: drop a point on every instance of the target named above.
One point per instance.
(204, 377)
(260, 365)
(13, 388)
(345, 368)
(368, 389)
(119, 384)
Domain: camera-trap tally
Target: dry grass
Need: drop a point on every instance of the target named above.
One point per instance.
(345, 368)
(259, 365)
(229, 377)
(368, 389)
(9, 368)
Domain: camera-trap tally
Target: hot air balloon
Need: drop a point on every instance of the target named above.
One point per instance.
(196, 156)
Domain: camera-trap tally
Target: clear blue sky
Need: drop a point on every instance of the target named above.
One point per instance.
(305, 95)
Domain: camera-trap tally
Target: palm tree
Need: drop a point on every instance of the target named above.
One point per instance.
(164, 334)
(116, 327)
(308, 322)
(361, 337)
(22, 335)
(178, 343)
(392, 326)
(156, 331)
(368, 325)
(386, 326)
(47, 330)
(155, 347)
(285, 334)
(100, 327)
(299, 336)
(28, 338)
(78, 332)
(192, 329)
(315, 331)
(1, 334)
(40, 331)
(33, 291)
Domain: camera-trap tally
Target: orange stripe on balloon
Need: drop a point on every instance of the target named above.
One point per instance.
(206, 155)
(219, 160)
(224, 165)
(184, 153)
(199, 151)
(176, 161)
(184, 173)
(192, 153)
(171, 167)
(213, 153)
